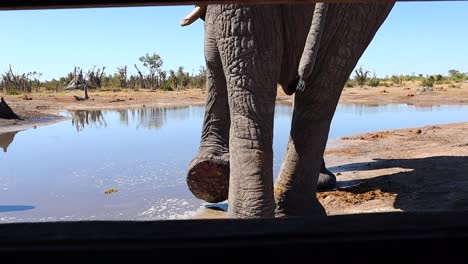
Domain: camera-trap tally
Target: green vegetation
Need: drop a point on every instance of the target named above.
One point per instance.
(396, 80)
(428, 82)
(350, 83)
(361, 78)
(374, 81)
(149, 75)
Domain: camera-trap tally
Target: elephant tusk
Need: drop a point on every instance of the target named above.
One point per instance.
(309, 55)
(198, 12)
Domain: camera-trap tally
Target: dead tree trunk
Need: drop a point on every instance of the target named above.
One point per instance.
(77, 82)
(142, 78)
(86, 97)
(6, 112)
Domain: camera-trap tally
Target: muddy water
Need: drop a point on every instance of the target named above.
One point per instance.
(131, 164)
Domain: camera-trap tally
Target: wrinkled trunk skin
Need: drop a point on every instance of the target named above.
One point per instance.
(349, 28)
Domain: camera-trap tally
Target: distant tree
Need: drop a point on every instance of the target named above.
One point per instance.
(428, 81)
(163, 75)
(95, 77)
(122, 76)
(456, 75)
(183, 77)
(200, 79)
(361, 76)
(14, 83)
(173, 79)
(154, 64)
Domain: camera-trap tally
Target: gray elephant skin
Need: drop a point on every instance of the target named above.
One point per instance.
(249, 50)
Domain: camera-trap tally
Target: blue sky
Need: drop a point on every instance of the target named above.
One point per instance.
(425, 38)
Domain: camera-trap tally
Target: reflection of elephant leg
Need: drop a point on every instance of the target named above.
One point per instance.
(353, 28)
(208, 176)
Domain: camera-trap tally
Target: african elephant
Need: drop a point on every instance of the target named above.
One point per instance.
(215, 190)
(249, 49)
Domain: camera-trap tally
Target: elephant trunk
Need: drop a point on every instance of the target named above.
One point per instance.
(309, 55)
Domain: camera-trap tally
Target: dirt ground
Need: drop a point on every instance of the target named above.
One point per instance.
(416, 169)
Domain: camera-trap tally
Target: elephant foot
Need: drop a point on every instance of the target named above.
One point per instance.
(208, 177)
(313, 209)
(326, 180)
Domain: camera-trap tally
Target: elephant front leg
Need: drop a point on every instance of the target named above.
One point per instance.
(251, 56)
(208, 175)
(351, 27)
(300, 172)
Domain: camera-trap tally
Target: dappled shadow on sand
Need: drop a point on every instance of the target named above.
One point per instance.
(429, 184)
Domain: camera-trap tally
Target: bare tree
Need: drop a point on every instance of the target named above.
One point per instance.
(95, 77)
(18, 83)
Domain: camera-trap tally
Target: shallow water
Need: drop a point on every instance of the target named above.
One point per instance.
(61, 171)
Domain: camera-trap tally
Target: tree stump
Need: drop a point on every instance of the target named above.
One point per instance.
(6, 112)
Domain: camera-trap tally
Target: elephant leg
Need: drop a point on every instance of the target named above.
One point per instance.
(299, 174)
(349, 30)
(251, 56)
(208, 175)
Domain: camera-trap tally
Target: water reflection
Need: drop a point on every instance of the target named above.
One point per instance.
(152, 118)
(157, 117)
(88, 118)
(146, 118)
(363, 109)
(6, 139)
(144, 154)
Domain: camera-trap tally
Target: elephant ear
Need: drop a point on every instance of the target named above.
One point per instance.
(309, 55)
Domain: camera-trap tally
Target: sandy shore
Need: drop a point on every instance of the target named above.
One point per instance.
(416, 169)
